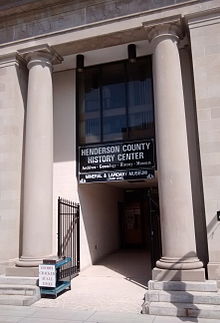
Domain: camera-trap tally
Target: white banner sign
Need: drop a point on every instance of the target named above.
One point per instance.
(47, 276)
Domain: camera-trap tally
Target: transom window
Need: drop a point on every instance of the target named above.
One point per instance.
(115, 102)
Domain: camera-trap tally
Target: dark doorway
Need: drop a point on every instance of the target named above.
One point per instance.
(140, 221)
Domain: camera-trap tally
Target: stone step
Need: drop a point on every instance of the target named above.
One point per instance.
(16, 280)
(28, 290)
(18, 300)
(183, 297)
(185, 310)
(2, 269)
(207, 286)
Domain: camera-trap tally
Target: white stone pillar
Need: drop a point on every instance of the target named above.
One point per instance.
(38, 163)
(179, 260)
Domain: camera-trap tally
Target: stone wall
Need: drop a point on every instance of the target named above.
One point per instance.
(205, 41)
(13, 82)
(62, 15)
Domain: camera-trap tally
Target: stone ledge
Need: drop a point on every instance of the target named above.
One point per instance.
(22, 271)
(207, 286)
(178, 275)
(28, 290)
(18, 300)
(184, 310)
(17, 280)
(183, 297)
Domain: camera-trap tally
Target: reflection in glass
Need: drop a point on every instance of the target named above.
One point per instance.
(140, 100)
(89, 103)
(115, 102)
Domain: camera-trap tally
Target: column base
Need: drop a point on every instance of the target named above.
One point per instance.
(27, 266)
(179, 263)
(31, 261)
(178, 274)
(22, 271)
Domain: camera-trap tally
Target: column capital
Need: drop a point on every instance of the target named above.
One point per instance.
(164, 28)
(43, 54)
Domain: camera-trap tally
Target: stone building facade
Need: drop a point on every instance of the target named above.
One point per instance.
(39, 116)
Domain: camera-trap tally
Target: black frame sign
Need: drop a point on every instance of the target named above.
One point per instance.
(117, 161)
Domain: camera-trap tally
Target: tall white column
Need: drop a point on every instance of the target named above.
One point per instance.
(38, 163)
(176, 208)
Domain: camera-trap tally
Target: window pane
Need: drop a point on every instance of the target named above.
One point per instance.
(114, 102)
(89, 103)
(140, 99)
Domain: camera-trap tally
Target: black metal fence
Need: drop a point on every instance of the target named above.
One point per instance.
(155, 235)
(68, 236)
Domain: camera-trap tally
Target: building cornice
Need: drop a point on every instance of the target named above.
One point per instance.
(61, 7)
(11, 7)
(11, 59)
(206, 18)
(110, 32)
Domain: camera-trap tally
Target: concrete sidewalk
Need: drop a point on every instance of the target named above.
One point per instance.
(24, 314)
(110, 292)
(116, 284)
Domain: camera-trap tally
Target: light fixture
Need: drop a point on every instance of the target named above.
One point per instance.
(132, 53)
(79, 63)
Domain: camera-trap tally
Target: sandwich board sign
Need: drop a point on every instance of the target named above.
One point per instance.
(47, 275)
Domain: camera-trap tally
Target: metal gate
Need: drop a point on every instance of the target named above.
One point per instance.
(155, 234)
(68, 236)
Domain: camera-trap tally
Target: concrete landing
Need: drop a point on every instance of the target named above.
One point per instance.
(117, 283)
